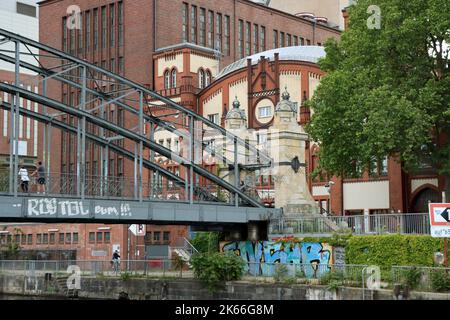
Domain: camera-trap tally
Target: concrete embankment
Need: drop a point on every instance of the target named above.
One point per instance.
(189, 289)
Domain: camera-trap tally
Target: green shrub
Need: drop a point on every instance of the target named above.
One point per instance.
(216, 268)
(389, 250)
(206, 241)
(125, 276)
(281, 272)
(440, 281)
(412, 277)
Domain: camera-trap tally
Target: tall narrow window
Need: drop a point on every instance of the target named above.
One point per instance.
(121, 65)
(194, 24)
(120, 13)
(88, 31)
(202, 27)
(95, 29)
(112, 25)
(167, 79)
(104, 27)
(113, 65)
(295, 41)
(185, 30)
(80, 35)
(64, 26)
(72, 41)
(262, 39)
(289, 40)
(302, 41)
(207, 78)
(241, 39)
(226, 50)
(275, 39)
(201, 79)
(219, 32)
(282, 44)
(174, 78)
(248, 35)
(255, 38)
(211, 29)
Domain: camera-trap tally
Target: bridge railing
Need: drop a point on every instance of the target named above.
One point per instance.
(61, 184)
(403, 223)
(151, 267)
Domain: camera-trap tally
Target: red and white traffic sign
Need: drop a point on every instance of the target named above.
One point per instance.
(440, 220)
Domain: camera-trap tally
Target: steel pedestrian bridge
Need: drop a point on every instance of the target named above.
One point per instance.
(195, 195)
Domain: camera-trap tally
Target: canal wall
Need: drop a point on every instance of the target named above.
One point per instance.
(190, 289)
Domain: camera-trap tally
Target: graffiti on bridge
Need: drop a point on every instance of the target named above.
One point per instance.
(73, 208)
(262, 257)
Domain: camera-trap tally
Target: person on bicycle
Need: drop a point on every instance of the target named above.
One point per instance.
(115, 260)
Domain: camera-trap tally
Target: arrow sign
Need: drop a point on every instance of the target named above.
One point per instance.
(445, 214)
(440, 220)
(137, 229)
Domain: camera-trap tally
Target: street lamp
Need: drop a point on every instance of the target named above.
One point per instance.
(329, 185)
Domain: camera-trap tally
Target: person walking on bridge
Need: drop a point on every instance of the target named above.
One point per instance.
(24, 179)
(40, 173)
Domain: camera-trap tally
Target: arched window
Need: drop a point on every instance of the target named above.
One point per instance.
(174, 78)
(201, 79)
(208, 78)
(167, 79)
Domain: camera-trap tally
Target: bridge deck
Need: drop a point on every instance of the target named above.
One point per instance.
(65, 209)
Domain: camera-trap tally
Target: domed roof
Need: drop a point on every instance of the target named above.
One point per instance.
(235, 112)
(297, 53)
(285, 104)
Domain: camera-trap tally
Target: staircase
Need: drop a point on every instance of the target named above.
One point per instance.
(61, 286)
(185, 251)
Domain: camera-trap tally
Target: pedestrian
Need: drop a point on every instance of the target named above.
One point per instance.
(23, 173)
(40, 173)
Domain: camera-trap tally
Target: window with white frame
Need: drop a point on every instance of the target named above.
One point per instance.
(214, 118)
(201, 79)
(174, 78)
(265, 112)
(167, 79)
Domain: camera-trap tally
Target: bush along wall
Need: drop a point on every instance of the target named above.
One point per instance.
(388, 250)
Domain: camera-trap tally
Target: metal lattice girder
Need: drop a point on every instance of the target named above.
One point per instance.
(96, 139)
(25, 94)
(130, 84)
(122, 83)
(167, 125)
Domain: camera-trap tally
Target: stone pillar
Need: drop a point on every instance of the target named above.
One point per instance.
(287, 141)
(235, 123)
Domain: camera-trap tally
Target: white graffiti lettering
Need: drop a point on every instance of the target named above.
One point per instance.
(72, 208)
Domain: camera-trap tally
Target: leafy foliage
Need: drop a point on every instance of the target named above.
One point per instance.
(440, 281)
(206, 241)
(387, 92)
(388, 250)
(216, 268)
(412, 277)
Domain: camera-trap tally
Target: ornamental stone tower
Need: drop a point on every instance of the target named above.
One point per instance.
(235, 123)
(287, 141)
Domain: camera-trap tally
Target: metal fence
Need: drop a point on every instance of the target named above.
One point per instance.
(151, 267)
(291, 271)
(422, 278)
(404, 223)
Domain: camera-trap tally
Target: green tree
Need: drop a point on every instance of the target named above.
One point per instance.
(387, 90)
(206, 241)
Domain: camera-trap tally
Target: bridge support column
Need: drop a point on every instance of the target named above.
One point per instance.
(14, 129)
